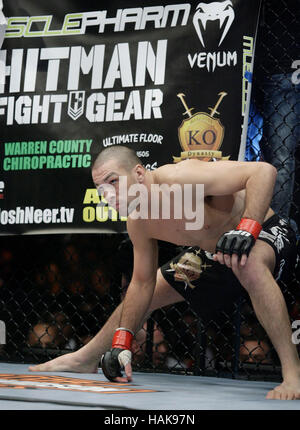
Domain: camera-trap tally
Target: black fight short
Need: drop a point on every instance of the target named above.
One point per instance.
(210, 287)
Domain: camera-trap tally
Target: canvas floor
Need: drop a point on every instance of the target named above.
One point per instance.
(21, 389)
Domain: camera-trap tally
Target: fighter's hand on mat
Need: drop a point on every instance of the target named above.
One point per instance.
(234, 246)
(113, 361)
(119, 357)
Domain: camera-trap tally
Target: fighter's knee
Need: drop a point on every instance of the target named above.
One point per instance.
(252, 274)
(164, 294)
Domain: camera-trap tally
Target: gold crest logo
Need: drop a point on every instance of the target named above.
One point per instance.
(188, 268)
(201, 135)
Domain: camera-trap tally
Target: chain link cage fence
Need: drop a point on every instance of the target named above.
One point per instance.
(57, 291)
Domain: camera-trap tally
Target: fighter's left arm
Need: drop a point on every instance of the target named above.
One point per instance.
(228, 177)
(257, 178)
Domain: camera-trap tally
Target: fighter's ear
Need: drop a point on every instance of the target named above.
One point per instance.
(139, 172)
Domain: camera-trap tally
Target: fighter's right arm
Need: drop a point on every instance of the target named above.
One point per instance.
(141, 287)
(135, 304)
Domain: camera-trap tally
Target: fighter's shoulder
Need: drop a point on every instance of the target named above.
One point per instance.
(169, 173)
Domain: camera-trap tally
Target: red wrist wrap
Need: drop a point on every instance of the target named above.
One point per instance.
(122, 339)
(251, 226)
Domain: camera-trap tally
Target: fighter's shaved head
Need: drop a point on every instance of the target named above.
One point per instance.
(124, 156)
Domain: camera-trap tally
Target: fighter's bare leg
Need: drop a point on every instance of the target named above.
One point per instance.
(270, 308)
(86, 359)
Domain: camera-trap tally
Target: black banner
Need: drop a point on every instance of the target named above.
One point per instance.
(170, 81)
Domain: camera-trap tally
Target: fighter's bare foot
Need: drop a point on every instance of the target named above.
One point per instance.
(66, 363)
(285, 391)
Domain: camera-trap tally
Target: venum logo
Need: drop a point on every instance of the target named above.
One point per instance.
(215, 11)
(223, 13)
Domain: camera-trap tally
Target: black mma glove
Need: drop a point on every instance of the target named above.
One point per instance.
(241, 240)
(114, 360)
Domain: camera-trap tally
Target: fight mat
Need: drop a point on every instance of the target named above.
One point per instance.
(21, 389)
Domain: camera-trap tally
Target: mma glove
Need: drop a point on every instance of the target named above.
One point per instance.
(114, 360)
(241, 240)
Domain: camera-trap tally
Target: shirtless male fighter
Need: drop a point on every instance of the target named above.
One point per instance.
(241, 239)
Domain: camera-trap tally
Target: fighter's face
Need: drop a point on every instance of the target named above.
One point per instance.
(107, 179)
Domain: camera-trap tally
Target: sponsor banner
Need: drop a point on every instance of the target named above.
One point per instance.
(17, 381)
(172, 81)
